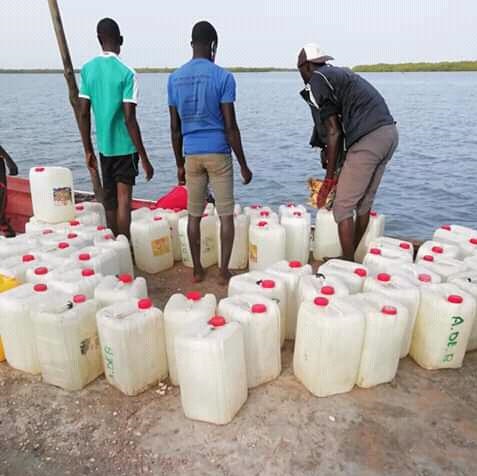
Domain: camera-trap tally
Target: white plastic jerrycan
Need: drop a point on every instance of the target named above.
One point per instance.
(260, 321)
(52, 194)
(74, 281)
(374, 230)
(328, 346)
(419, 275)
(327, 242)
(208, 241)
(380, 260)
(114, 289)
(313, 286)
(256, 209)
(298, 234)
(180, 313)
(152, 242)
(463, 237)
(401, 246)
(239, 257)
(267, 285)
(40, 274)
(443, 327)
(436, 248)
(267, 245)
(87, 232)
(212, 370)
(67, 342)
(59, 255)
(173, 217)
(20, 245)
(471, 262)
(133, 345)
(353, 275)
(402, 290)
(291, 272)
(90, 213)
(266, 215)
(141, 213)
(35, 227)
(50, 241)
(468, 282)
(386, 322)
(444, 267)
(16, 324)
(291, 208)
(17, 266)
(120, 245)
(102, 260)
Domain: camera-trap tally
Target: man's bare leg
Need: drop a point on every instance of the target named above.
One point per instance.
(346, 233)
(361, 225)
(124, 209)
(193, 232)
(227, 235)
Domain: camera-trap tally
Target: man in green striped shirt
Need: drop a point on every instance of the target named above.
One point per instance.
(109, 87)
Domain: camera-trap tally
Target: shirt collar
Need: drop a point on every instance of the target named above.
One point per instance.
(109, 53)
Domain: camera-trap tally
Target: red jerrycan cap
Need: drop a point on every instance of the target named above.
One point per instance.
(217, 321)
(48, 231)
(87, 272)
(265, 213)
(259, 308)
(384, 277)
(437, 249)
(28, 258)
(108, 237)
(446, 227)
(125, 278)
(194, 296)
(84, 256)
(375, 251)
(63, 245)
(291, 205)
(100, 228)
(71, 236)
(425, 278)
(295, 264)
(74, 222)
(389, 310)
(361, 272)
(144, 304)
(297, 214)
(79, 298)
(40, 288)
(405, 246)
(261, 224)
(267, 284)
(255, 206)
(79, 208)
(39, 169)
(428, 258)
(321, 301)
(328, 290)
(455, 299)
(473, 241)
(158, 218)
(41, 271)
(373, 214)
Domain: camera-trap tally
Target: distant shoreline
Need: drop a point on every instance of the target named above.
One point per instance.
(237, 69)
(442, 67)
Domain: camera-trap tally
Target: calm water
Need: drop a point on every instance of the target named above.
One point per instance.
(432, 178)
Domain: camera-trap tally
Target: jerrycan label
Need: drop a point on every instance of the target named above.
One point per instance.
(62, 196)
(253, 253)
(453, 338)
(161, 246)
(108, 361)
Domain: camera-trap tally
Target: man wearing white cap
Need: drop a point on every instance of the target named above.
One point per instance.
(352, 111)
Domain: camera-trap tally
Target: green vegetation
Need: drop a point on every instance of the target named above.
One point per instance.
(417, 67)
(235, 69)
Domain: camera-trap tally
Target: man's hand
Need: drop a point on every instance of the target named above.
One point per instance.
(246, 175)
(325, 190)
(148, 169)
(181, 175)
(91, 162)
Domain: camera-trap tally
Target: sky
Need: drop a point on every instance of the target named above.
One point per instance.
(251, 32)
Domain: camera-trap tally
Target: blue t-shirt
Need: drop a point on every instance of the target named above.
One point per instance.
(197, 90)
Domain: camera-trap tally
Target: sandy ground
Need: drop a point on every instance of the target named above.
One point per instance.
(424, 423)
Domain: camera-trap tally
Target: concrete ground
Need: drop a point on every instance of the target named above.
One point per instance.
(424, 423)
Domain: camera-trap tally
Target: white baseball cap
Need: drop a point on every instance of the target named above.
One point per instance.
(314, 54)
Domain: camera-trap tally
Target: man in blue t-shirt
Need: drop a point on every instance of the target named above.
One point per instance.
(204, 133)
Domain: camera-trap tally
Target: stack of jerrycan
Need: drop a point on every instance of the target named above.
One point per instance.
(328, 346)
(463, 237)
(67, 341)
(291, 272)
(297, 224)
(152, 242)
(74, 281)
(402, 290)
(438, 249)
(6, 283)
(180, 313)
(208, 241)
(239, 256)
(260, 321)
(17, 307)
(385, 253)
(374, 230)
(124, 287)
(212, 370)
(16, 266)
(267, 244)
(445, 267)
(353, 275)
(133, 346)
(268, 285)
(443, 326)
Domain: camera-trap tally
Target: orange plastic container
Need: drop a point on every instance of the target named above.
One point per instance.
(6, 283)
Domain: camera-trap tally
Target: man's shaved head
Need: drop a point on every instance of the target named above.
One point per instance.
(108, 31)
(204, 34)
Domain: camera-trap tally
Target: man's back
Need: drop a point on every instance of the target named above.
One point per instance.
(107, 82)
(197, 91)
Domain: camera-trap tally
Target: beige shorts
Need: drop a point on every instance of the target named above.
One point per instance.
(362, 172)
(216, 169)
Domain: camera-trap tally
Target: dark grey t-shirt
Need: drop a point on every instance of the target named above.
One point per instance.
(360, 105)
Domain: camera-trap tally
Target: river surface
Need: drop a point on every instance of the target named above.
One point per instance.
(431, 180)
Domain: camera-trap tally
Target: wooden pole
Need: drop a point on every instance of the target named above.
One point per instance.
(69, 73)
